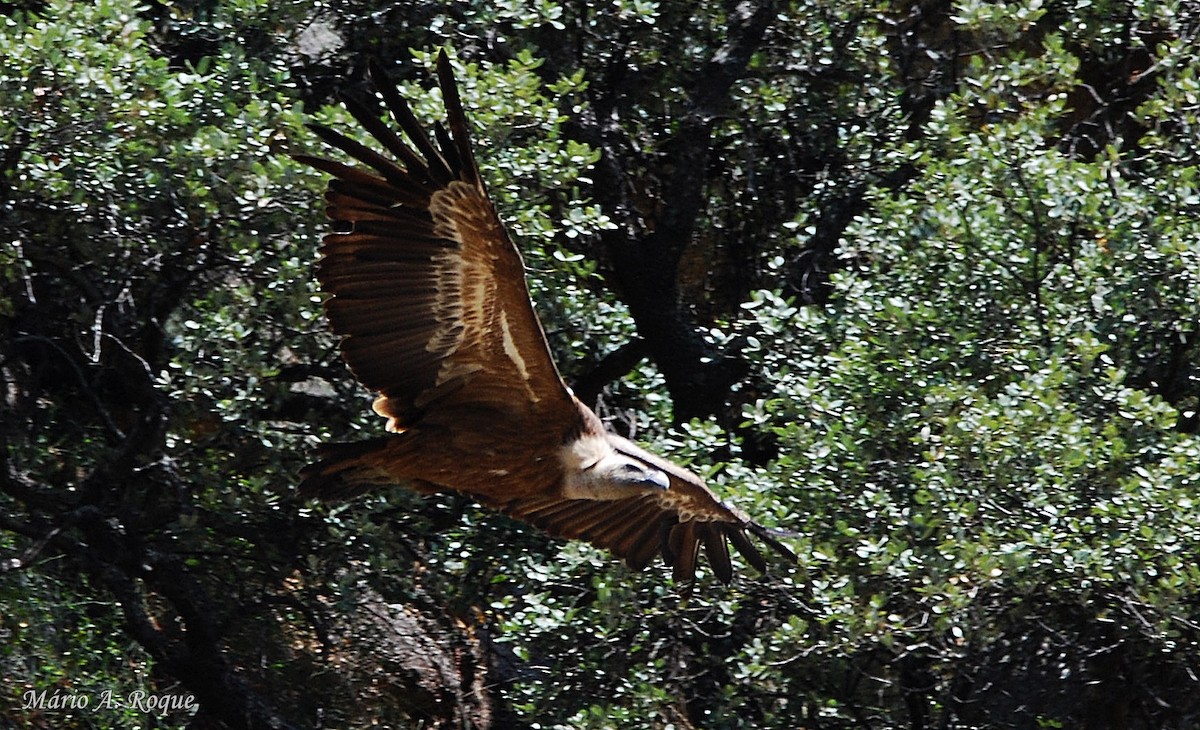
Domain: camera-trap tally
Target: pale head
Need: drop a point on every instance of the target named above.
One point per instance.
(595, 470)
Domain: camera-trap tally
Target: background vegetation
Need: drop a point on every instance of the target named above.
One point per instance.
(919, 280)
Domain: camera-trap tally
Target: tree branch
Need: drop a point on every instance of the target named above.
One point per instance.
(645, 252)
(611, 367)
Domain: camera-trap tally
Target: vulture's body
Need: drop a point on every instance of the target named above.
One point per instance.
(429, 295)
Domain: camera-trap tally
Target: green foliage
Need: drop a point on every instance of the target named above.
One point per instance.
(983, 439)
(976, 421)
(145, 218)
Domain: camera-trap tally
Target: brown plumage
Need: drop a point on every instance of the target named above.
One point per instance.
(429, 295)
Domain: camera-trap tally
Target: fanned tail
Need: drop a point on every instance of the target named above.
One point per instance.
(344, 471)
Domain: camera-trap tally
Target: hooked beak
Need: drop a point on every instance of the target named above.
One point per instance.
(658, 479)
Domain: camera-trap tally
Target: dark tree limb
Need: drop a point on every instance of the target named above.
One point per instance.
(611, 367)
(645, 255)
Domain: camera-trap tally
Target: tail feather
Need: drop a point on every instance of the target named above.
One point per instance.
(344, 471)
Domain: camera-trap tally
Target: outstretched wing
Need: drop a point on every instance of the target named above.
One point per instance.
(428, 290)
(673, 523)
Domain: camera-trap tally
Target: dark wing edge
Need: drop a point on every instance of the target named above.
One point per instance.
(343, 471)
(717, 522)
(638, 528)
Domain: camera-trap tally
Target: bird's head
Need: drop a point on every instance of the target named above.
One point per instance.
(595, 470)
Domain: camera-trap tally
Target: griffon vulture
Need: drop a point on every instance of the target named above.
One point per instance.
(428, 294)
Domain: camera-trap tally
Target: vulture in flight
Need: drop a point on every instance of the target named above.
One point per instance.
(428, 293)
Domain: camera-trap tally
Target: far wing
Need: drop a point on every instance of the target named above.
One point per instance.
(427, 288)
(673, 523)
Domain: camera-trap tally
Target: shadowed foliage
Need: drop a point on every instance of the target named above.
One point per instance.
(916, 281)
